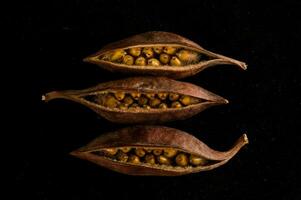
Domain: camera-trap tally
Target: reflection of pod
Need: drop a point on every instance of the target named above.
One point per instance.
(197, 60)
(156, 137)
(101, 99)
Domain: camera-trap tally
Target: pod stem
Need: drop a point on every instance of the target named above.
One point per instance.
(221, 59)
(226, 155)
(51, 95)
(241, 141)
(240, 64)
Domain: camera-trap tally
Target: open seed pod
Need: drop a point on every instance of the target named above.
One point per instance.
(155, 150)
(159, 54)
(142, 99)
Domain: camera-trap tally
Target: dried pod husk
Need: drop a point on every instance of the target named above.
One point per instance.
(188, 57)
(96, 98)
(155, 137)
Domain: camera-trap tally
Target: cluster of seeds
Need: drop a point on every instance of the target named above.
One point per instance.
(123, 100)
(152, 156)
(153, 56)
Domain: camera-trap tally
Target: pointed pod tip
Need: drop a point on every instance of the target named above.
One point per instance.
(223, 101)
(244, 66)
(51, 95)
(220, 101)
(91, 59)
(74, 153)
(238, 63)
(245, 138)
(87, 59)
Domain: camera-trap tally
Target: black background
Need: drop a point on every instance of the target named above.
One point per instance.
(54, 37)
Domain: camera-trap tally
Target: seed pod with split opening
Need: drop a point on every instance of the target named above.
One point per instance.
(186, 154)
(113, 100)
(174, 56)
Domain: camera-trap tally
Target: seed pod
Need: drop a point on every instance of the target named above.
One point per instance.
(156, 137)
(108, 108)
(152, 43)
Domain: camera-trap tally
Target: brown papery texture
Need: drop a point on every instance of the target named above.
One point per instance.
(156, 136)
(143, 84)
(158, 38)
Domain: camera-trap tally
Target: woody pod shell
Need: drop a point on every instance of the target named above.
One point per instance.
(156, 136)
(159, 38)
(143, 84)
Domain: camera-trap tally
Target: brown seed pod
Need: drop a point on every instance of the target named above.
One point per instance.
(156, 137)
(109, 109)
(192, 57)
